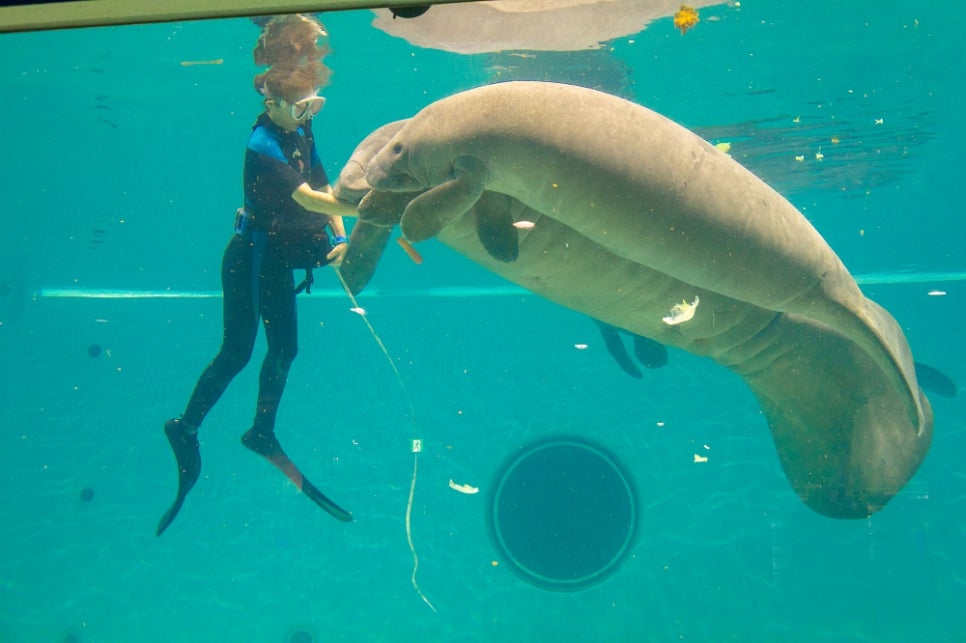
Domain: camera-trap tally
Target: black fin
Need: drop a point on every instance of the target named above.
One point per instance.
(267, 446)
(188, 457)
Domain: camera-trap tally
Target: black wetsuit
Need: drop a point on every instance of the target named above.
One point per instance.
(255, 280)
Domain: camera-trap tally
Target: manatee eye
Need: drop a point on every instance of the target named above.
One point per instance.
(397, 148)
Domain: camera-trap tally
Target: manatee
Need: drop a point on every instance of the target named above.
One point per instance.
(649, 353)
(632, 215)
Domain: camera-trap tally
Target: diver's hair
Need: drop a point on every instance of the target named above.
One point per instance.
(289, 46)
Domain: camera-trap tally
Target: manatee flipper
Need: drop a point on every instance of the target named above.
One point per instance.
(366, 245)
(267, 446)
(431, 211)
(935, 381)
(187, 455)
(649, 353)
(615, 346)
(384, 209)
(494, 226)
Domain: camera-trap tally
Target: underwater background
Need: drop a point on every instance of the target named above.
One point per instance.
(121, 176)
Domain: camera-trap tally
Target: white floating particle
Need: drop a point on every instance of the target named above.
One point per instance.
(524, 225)
(580, 347)
(682, 312)
(699, 458)
(358, 311)
(936, 293)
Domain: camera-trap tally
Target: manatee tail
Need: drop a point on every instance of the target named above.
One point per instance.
(843, 307)
(889, 348)
(184, 444)
(267, 446)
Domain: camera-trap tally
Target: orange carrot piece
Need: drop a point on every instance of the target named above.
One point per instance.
(412, 252)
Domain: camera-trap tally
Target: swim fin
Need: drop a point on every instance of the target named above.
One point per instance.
(267, 446)
(188, 457)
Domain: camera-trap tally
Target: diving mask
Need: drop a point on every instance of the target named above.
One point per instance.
(305, 108)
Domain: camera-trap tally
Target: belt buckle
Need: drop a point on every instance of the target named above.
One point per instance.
(241, 222)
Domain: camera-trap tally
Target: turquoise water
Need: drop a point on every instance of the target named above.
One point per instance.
(122, 175)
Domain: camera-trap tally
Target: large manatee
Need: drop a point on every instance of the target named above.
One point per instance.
(633, 215)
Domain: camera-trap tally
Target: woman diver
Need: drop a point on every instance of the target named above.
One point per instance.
(288, 206)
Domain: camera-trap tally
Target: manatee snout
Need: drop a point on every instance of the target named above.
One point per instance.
(387, 171)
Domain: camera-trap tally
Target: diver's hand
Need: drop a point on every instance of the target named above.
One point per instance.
(337, 255)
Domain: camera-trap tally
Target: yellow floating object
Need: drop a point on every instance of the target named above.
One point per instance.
(191, 63)
(685, 18)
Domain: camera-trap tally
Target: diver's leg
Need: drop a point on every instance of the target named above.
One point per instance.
(238, 338)
(281, 328)
(278, 313)
(240, 328)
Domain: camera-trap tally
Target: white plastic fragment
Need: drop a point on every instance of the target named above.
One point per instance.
(463, 488)
(682, 312)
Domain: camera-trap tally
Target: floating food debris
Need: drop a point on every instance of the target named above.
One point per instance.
(191, 63)
(699, 458)
(682, 312)
(685, 18)
(359, 311)
(412, 252)
(580, 347)
(463, 488)
(800, 157)
(724, 147)
(819, 156)
(524, 225)
(936, 293)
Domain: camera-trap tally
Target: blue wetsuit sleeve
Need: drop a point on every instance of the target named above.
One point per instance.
(262, 142)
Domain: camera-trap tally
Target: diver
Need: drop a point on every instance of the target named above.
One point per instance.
(288, 206)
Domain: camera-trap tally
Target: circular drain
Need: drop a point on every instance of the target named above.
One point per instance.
(562, 513)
